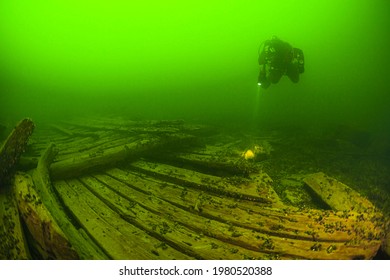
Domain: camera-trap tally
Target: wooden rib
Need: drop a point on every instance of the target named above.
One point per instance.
(242, 188)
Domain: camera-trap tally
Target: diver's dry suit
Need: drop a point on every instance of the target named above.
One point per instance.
(278, 58)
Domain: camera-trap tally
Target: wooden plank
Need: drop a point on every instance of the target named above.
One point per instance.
(218, 158)
(118, 238)
(238, 187)
(63, 130)
(156, 127)
(165, 221)
(73, 134)
(74, 144)
(237, 166)
(92, 148)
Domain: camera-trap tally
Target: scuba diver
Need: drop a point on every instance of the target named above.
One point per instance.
(278, 58)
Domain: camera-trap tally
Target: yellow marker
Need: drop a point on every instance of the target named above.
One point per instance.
(249, 154)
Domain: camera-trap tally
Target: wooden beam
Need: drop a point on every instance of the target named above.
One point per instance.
(86, 162)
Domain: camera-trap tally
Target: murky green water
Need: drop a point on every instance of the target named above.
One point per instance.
(194, 60)
(197, 61)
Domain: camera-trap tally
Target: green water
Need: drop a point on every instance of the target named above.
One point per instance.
(194, 60)
(197, 61)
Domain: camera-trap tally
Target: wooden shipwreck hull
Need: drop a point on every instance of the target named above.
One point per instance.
(110, 189)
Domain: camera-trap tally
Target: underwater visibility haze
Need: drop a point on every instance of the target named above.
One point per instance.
(166, 93)
(194, 60)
